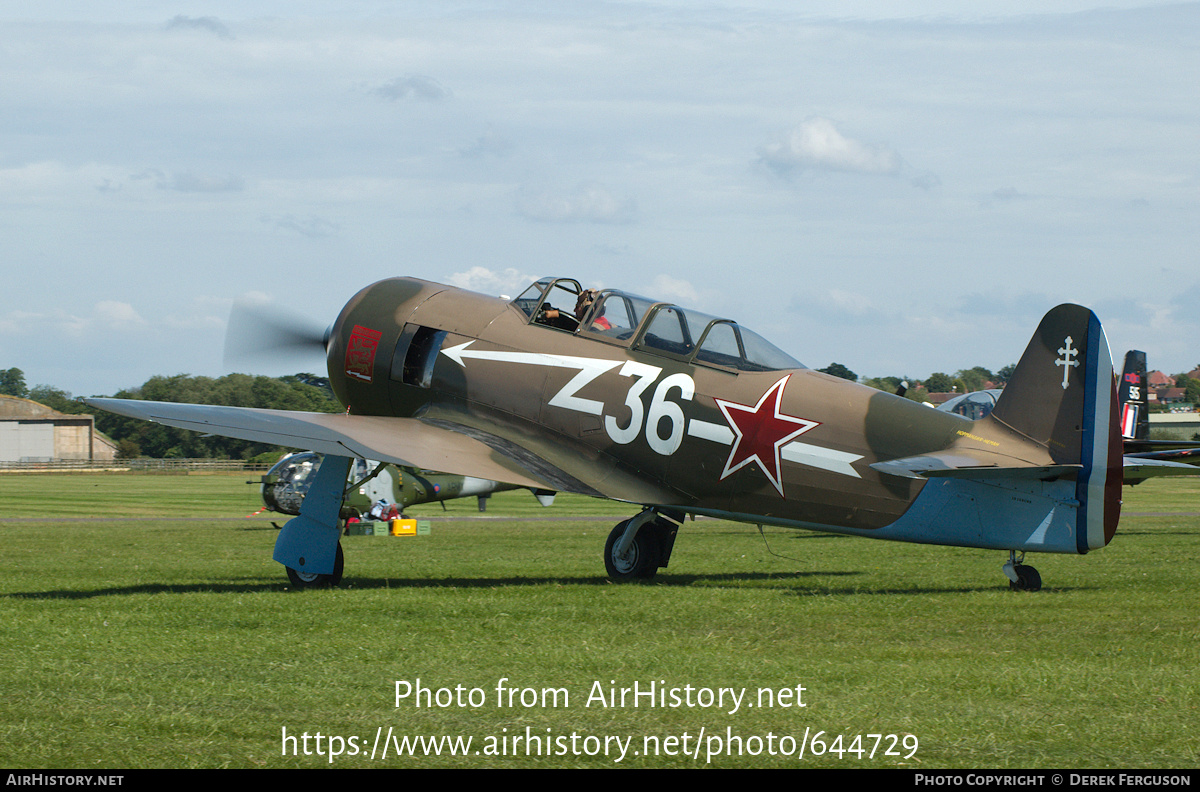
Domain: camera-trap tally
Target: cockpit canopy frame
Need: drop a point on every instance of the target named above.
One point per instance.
(655, 327)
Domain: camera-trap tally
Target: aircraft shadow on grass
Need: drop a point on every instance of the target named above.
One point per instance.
(408, 583)
(762, 581)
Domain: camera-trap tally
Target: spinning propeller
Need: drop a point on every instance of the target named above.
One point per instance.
(261, 335)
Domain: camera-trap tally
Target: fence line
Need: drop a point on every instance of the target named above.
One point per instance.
(145, 465)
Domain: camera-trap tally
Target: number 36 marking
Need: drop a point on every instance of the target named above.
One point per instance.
(660, 410)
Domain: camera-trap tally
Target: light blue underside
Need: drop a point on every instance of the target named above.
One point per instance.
(308, 543)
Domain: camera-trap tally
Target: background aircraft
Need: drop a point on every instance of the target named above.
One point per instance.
(286, 483)
(615, 395)
(973, 405)
(1135, 417)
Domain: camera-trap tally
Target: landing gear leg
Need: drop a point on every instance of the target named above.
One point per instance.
(308, 545)
(1021, 577)
(637, 547)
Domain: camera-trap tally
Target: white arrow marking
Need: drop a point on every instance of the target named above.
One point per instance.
(706, 430)
(795, 451)
(824, 458)
(589, 369)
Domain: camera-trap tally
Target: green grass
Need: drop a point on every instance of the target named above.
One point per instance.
(124, 494)
(139, 639)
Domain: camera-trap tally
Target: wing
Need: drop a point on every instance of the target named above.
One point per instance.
(1163, 449)
(432, 445)
(1139, 467)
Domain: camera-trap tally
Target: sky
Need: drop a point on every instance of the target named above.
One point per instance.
(901, 188)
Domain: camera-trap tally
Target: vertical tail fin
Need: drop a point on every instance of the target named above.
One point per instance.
(1131, 391)
(1063, 396)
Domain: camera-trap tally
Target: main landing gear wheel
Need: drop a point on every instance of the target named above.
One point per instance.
(1028, 579)
(1020, 576)
(640, 562)
(302, 580)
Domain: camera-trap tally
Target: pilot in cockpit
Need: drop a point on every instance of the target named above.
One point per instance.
(584, 304)
(553, 317)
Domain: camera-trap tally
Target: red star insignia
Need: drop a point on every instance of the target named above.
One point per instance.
(760, 432)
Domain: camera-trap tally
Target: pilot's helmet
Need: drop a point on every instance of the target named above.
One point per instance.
(584, 303)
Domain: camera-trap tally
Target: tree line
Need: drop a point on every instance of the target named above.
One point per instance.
(962, 381)
(975, 379)
(135, 438)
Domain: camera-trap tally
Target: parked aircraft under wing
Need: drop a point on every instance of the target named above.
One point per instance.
(615, 395)
(286, 483)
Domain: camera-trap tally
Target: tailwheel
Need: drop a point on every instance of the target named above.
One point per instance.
(1028, 579)
(302, 580)
(1021, 577)
(640, 561)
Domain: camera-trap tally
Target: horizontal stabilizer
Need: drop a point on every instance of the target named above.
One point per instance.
(1163, 449)
(948, 464)
(1139, 469)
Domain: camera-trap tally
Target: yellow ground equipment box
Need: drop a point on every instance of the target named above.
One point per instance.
(404, 527)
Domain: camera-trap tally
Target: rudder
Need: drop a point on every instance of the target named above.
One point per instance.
(1062, 395)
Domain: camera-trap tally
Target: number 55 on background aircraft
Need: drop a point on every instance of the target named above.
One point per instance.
(678, 413)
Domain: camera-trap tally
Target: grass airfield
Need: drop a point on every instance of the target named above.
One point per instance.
(145, 625)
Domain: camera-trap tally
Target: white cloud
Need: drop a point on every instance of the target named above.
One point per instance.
(17, 322)
(105, 316)
(589, 202)
(509, 282)
(818, 144)
(841, 306)
(677, 290)
(114, 313)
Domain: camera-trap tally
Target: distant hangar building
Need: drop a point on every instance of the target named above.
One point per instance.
(32, 432)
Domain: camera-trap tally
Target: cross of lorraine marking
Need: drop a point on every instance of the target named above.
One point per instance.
(1065, 361)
